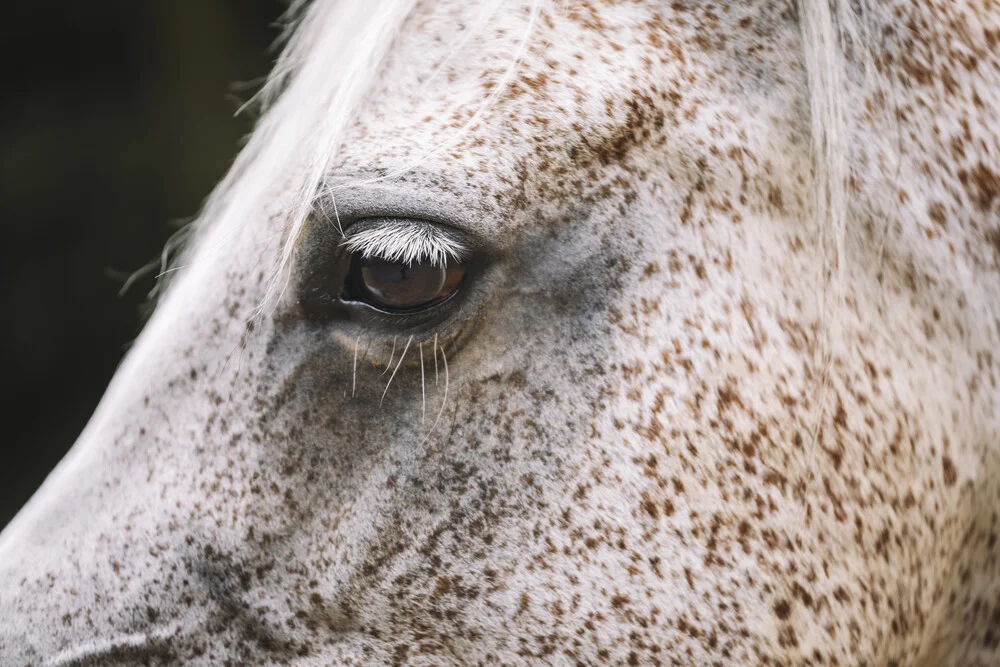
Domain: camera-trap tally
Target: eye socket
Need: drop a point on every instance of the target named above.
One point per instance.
(400, 286)
(396, 266)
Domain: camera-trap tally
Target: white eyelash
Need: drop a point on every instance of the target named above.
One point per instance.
(406, 242)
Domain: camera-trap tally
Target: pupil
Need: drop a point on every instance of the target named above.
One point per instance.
(399, 285)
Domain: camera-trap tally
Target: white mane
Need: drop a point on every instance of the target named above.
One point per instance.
(837, 59)
(333, 54)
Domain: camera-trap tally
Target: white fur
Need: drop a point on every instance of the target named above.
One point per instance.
(666, 193)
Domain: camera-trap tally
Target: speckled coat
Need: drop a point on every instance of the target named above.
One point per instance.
(684, 423)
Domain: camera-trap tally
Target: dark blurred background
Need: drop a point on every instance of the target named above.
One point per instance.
(116, 119)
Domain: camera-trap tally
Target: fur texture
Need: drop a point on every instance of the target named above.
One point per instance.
(720, 388)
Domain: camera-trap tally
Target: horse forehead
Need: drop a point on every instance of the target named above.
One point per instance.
(515, 93)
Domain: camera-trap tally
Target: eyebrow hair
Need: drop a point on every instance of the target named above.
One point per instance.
(406, 242)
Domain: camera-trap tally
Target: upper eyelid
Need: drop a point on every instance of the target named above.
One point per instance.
(406, 241)
(476, 223)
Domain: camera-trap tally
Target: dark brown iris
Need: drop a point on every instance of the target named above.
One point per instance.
(401, 286)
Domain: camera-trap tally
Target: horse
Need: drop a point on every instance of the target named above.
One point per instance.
(569, 333)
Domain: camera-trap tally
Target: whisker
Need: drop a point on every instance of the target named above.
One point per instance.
(391, 354)
(137, 647)
(172, 269)
(336, 215)
(423, 392)
(354, 381)
(401, 357)
(444, 401)
(368, 348)
(435, 360)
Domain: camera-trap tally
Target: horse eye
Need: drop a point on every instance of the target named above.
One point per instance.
(400, 286)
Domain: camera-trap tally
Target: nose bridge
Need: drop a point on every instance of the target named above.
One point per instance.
(60, 566)
(104, 548)
(98, 589)
(78, 562)
(105, 557)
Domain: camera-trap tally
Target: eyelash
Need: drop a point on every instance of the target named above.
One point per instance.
(405, 241)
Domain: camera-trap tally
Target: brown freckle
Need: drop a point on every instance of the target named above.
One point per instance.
(840, 418)
(950, 473)
(993, 238)
(775, 198)
(649, 507)
(982, 184)
(936, 212)
(674, 263)
(838, 507)
(518, 379)
(442, 588)
(727, 397)
(668, 507)
(787, 637)
(775, 479)
(804, 595)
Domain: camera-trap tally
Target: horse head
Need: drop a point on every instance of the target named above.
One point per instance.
(562, 333)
